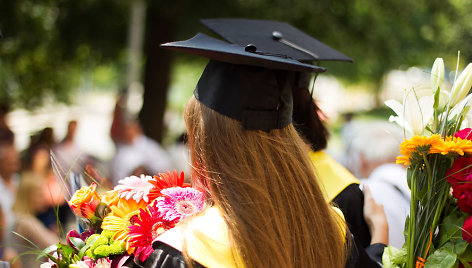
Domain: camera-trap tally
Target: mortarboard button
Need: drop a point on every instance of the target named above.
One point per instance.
(250, 48)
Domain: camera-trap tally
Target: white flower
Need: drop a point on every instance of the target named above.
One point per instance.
(437, 74)
(135, 188)
(414, 114)
(461, 86)
(103, 263)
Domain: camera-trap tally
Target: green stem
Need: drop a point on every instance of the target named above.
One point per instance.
(411, 224)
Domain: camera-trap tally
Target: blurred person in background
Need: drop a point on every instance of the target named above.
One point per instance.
(117, 125)
(375, 146)
(180, 155)
(37, 163)
(7, 253)
(52, 192)
(5, 131)
(9, 178)
(29, 202)
(137, 151)
(67, 151)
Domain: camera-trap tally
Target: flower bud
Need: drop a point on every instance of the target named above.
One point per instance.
(437, 74)
(461, 86)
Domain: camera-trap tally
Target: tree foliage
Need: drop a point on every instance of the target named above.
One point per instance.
(49, 44)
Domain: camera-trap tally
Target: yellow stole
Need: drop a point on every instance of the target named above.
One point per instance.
(206, 239)
(333, 177)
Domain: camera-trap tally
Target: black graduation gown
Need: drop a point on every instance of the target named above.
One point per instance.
(165, 256)
(351, 203)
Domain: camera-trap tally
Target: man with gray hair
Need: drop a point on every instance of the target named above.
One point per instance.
(372, 154)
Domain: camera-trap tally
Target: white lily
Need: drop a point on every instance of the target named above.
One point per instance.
(437, 74)
(443, 99)
(461, 86)
(459, 108)
(414, 114)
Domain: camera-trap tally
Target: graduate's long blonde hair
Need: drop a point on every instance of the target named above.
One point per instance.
(265, 185)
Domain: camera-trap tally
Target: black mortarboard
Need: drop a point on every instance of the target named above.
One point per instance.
(274, 37)
(245, 83)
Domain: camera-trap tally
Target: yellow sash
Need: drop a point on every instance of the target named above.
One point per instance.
(333, 177)
(207, 242)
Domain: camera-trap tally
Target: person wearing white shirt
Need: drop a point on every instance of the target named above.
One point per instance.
(374, 146)
(138, 152)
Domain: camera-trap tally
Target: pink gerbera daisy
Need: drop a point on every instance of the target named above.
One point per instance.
(177, 203)
(136, 188)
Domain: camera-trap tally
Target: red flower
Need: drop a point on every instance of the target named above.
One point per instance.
(460, 178)
(464, 197)
(467, 230)
(164, 181)
(146, 228)
(464, 134)
(460, 170)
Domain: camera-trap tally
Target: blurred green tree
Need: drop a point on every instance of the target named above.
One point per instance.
(48, 44)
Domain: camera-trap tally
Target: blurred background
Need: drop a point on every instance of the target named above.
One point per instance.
(63, 60)
(88, 81)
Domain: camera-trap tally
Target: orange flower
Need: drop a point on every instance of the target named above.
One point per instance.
(453, 145)
(110, 198)
(403, 160)
(84, 202)
(419, 145)
(164, 181)
(120, 218)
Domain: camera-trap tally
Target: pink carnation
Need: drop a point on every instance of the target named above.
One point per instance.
(177, 203)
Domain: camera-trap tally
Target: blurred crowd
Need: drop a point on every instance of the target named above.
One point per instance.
(34, 183)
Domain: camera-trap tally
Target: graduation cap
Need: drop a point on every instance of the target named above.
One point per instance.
(245, 83)
(274, 37)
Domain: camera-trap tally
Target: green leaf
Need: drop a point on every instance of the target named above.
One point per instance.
(66, 250)
(467, 255)
(436, 99)
(441, 258)
(460, 245)
(48, 250)
(450, 228)
(77, 242)
(393, 257)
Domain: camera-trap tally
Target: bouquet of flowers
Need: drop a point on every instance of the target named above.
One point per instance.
(438, 154)
(122, 223)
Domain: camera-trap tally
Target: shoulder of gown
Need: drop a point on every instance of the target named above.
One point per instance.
(165, 256)
(351, 203)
